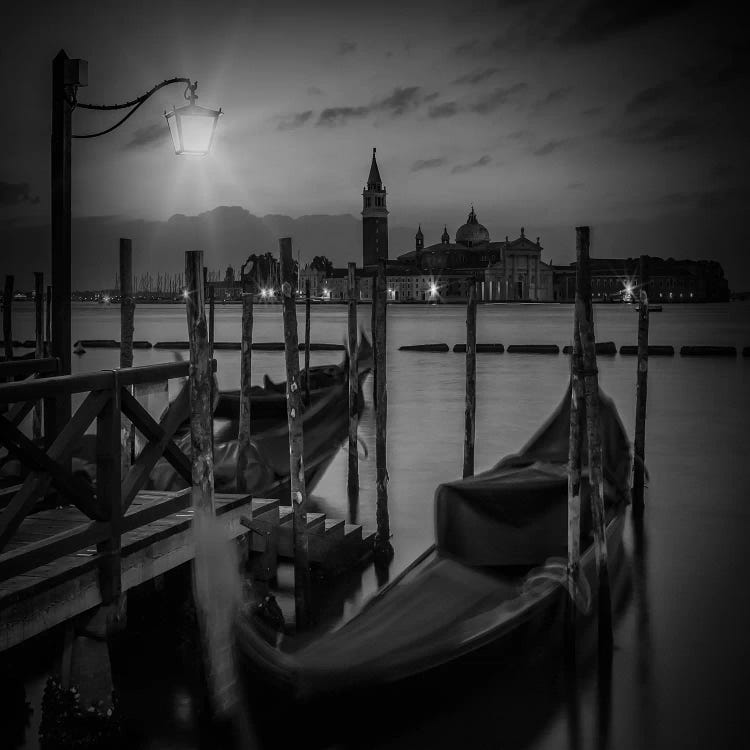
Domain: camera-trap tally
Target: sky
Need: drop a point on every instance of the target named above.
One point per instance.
(626, 116)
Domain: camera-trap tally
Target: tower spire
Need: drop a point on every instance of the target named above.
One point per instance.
(374, 217)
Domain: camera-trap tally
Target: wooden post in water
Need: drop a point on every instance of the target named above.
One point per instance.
(307, 341)
(48, 321)
(244, 434)
(383, 548)
(471, 380)
(585, 316)
(201, 377)
(36, 426)
(373, 330)
(576, 426)
(639, 447)
(353, 476)
(296, 449)
(127, 326)
(7, 316)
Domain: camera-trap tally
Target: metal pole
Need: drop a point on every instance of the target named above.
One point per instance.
(471, 380)
(296, 447)
(127, 326)
(353, 476)
(60, 344)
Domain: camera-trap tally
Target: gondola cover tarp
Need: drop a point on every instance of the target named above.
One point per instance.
(516, 512)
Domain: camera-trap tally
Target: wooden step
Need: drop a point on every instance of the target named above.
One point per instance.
(352, 533)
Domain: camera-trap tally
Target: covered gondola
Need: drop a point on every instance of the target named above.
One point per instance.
(498, 564)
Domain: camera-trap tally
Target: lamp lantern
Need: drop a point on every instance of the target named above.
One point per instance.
(192, 127)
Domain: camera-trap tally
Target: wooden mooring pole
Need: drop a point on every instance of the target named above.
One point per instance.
(373, 330)
(584, 312)
(383, 548)
(353, 476)
(244, 434)
(8, 316)
(471, 380)
(48, 321)
(576, 427)
(639, 447)
(201, 377)
(296, 452)
(36, 425)
(307, 341)
(127, 327)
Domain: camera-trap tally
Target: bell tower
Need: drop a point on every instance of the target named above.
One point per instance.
(374, 218)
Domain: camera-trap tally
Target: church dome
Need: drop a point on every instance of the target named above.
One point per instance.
(472, 233)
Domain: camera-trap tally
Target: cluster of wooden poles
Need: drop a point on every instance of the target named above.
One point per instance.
(201, 384)
(584, 415)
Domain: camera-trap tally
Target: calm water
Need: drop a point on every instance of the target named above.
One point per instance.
(682, 656)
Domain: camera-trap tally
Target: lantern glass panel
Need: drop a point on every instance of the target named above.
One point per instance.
(197, 130)
(174, 132)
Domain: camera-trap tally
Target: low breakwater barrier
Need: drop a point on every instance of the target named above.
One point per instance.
(708, 351)
(533, 349)
(653, 350)
(482, 348)
(425, 348)
(602, 347)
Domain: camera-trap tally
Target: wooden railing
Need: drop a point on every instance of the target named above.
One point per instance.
(106, 500)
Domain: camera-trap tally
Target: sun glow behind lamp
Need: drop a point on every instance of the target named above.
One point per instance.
(192, 127)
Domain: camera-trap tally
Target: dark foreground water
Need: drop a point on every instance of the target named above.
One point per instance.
(682, 656)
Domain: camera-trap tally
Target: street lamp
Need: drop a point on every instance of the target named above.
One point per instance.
(192, 127)
(195, 128)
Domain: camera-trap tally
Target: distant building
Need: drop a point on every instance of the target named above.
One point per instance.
(374, 218)
(614, 279)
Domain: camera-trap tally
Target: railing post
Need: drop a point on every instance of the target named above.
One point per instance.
(109, 492)
(201, 376)
(591, 390)
(639, 445)
(471, 380)
(296, 451)
(8, 316)
(383, 548)
(353, 476)
(244, 433)
(36, 426)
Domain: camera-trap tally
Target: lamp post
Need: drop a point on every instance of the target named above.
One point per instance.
(192, 129)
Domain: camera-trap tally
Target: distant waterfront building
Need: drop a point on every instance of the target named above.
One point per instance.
(613, 279)
(507, 271)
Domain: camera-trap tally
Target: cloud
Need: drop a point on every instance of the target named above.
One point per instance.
(314, 90)
(400, 101)
(592, 111)
(332, 116)
(481, 162)
(421, 164)
(554, 96)
(669, 132)
(150, 135)
(597, 20)
(728, 198)
(346, 48)
(574, 185)
(648, 97)
(477, 76)
(293, 120)
(11, 194)
(550, 146)
(469, 47)
(446, 109)
(495, 99)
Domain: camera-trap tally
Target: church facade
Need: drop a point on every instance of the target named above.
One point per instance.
(511, 270)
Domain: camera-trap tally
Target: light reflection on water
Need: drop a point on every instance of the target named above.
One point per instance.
(682, 655)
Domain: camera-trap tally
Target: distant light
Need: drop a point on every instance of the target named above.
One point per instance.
(185, 293)
(105, 298)
(433, 289)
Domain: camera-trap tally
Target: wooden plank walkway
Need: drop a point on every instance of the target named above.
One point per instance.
(53, 593)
